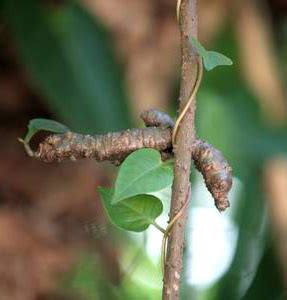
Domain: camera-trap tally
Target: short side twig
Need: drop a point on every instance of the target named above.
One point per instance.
(112, 146)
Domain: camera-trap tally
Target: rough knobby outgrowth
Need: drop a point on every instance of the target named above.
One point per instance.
(115, 147)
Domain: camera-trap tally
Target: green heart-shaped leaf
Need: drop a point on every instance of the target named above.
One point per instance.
(133, 214)
(142, 172)
(36, 125)
(211, 59)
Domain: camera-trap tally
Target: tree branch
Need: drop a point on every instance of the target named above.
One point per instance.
(115, 147)
(112, 146)
(182, 152)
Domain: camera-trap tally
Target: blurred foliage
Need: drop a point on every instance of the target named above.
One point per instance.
(71, 61)
(268, 282)
(229, 117)
(86, 281)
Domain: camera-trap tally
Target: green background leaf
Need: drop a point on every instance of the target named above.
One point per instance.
(69, 57)
(36, 125)
(228, 111)
(133, 214)
(141, 173)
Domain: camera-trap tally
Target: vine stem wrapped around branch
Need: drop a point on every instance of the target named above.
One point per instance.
(182, 148)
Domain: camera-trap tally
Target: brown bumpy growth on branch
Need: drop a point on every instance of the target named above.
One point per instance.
(112, 146)
(115, 147)
(216, 172)
(209, 161)
(157, 118)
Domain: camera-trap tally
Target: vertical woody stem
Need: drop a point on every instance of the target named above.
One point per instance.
(182, 151)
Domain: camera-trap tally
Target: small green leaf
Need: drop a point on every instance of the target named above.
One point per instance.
(211, 59)
(133, 214)
(142, 172)
(36, 125)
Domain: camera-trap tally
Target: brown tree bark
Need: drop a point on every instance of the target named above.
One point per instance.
(182, 152)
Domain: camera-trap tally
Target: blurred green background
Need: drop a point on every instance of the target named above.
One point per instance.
(95, 65)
